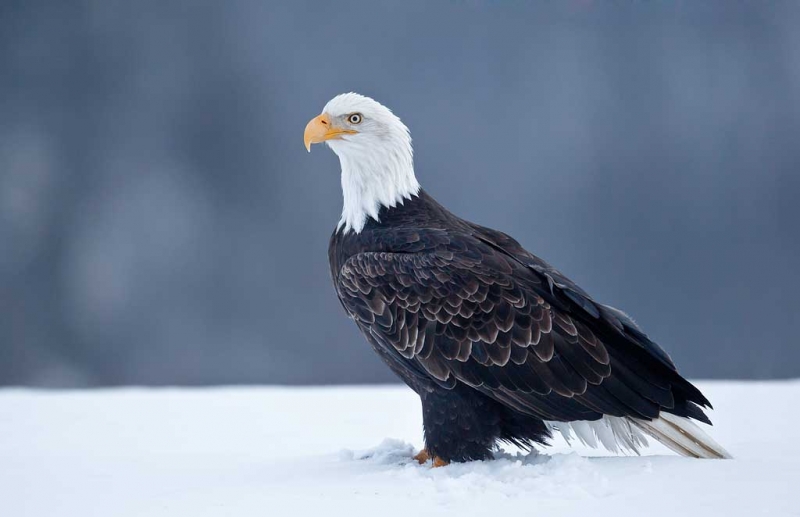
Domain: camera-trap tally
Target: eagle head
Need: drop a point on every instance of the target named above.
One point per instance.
(375, 153)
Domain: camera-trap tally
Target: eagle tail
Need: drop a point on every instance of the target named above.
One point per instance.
(682, 436)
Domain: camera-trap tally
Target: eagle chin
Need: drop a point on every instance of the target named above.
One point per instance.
(499, 345)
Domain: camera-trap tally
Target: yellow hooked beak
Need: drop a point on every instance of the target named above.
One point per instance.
(320, 129)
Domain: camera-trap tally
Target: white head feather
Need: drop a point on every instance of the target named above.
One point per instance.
(377, 162)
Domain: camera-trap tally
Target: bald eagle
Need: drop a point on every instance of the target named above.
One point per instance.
(499, 345)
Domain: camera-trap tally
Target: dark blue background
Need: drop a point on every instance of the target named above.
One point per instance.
(161, 223)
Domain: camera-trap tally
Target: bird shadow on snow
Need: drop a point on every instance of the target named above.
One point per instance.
(561, 475)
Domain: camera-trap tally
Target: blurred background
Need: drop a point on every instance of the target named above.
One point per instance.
(161, 222)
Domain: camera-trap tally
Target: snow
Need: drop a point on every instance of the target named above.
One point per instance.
(347, 451)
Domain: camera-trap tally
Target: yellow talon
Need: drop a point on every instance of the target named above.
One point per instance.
(439, 462)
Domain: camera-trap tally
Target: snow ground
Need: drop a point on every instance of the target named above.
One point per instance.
(347, 451)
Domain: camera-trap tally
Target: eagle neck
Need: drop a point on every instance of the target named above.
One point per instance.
(373, 181)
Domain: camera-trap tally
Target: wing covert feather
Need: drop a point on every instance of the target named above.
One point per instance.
(477, 319)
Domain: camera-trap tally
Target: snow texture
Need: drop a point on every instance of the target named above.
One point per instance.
(347, 451)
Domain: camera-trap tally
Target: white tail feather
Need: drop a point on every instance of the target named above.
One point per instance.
(613, 433)
(682, 436)
(620, 434)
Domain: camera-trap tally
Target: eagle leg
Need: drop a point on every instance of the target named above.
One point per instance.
(460, 424)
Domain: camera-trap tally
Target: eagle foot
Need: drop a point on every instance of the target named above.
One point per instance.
(423, 456)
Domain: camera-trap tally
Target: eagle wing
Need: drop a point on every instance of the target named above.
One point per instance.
(470, 311)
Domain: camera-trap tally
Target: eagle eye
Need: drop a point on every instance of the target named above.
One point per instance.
(355, 118)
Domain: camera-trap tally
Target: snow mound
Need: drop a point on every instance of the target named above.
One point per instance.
(312, 451)
(509, 474)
